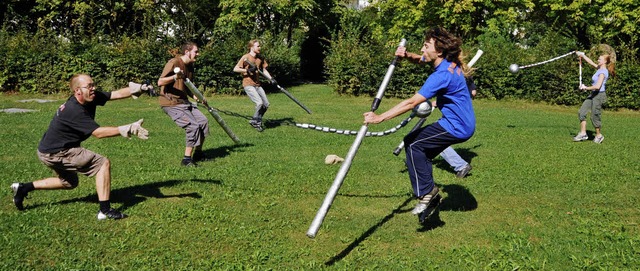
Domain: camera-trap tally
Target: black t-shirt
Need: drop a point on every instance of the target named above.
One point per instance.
(72, 124)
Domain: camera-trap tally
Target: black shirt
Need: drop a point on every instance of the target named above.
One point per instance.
(72, 124)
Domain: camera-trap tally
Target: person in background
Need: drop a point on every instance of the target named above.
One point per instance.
(251, 82)
(461, 167)
(596, 98)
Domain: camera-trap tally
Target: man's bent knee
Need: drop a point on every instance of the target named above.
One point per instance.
(69, 182)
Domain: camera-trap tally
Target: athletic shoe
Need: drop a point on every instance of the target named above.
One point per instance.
(598, 139)
(431, 209)
(18, 195)
(580, 137)
(423, 202)
(188, 163)
(256, 124)
(111, 214)
(464, 171)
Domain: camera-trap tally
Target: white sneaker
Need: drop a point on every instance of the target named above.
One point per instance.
(598, 139)
(424, 202)
(580, 137)
(111, 214)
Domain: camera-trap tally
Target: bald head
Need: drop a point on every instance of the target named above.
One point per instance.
(79, 80)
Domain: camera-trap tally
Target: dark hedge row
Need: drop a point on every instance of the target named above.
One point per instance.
(44, 64)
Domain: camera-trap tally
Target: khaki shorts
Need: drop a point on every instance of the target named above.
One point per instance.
(67, 163)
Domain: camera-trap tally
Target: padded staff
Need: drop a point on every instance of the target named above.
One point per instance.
(213, 112)
(253, 66)
(346, 165)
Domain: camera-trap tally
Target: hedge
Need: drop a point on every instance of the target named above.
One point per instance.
(44, 63)
(357, 65)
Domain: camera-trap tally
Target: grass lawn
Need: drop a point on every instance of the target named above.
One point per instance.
(534, 200)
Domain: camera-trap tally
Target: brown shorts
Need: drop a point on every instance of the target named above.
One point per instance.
(67, 163)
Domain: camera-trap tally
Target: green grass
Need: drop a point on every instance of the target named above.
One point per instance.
(534, 200)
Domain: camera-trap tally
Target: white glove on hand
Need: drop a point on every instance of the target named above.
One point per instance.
(134, 129)
(583, 87)
(137, 89)
(332, 159)
(580, 54)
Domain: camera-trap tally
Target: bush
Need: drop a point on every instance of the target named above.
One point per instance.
(31, 64)
(355, 65)
(356, 62)
(217, 59)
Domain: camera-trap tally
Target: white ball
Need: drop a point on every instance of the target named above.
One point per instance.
(423, 110)
(514, 68)
(176, 70)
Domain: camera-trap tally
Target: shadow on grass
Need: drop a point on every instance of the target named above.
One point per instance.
(458, 199)
(233, 114)
(268, 123)
(273, 123)
(368, 233)
(590, 134)
(220, 152)
(133, 195)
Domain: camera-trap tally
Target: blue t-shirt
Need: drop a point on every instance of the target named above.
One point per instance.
(594, 78)
(448, 85)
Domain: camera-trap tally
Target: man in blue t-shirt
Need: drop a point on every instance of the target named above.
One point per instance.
(60, 149)
(458, 123)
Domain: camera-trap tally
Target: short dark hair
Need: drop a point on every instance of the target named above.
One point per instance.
(187, 46)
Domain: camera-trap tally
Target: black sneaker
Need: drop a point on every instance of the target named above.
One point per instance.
(188, 163)
(18, 195)
(464, 171)
(111, 214)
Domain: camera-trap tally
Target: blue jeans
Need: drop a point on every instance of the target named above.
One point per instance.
(454, 160)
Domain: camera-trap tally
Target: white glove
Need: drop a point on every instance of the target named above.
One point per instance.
(333, 159)
(580, 54)
(134, 129)
(583, 87)
(137, 89)
(178, 74)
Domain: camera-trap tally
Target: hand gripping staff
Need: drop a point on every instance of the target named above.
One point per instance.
(273, 81)
(398, 149)
(213, 112)
(344, 168)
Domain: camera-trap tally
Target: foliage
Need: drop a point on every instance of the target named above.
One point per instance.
(44, 42)
(354, 62)
(275, 16)
(30, 64)
(44, 64)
